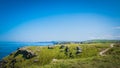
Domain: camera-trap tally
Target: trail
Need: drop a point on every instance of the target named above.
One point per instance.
(102, 52)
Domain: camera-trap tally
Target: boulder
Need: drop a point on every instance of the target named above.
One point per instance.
(2, 63)
(70, 55)
(12, 63)
(62, 46)
(66, 49)
(50, 47)
(79, 50)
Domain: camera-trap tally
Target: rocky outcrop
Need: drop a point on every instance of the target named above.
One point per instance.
(26, 53)
(62, 46)
(50, 47)
(12, 63)
(2, 63)
(66, 49)
(79, 50)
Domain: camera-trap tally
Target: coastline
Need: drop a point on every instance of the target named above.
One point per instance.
(8, 47)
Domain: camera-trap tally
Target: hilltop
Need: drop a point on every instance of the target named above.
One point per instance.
(70, 55)
(87, 41)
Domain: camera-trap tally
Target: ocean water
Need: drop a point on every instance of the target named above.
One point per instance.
(8, 47)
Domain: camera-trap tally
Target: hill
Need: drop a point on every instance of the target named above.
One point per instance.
(64, 56)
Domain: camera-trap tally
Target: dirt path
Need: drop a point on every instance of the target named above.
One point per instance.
(102, 52)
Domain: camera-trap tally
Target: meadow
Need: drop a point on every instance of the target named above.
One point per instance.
(58, 58)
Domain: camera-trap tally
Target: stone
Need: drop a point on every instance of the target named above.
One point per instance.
(50, 47)
(79, 50)
(66, 49)
(70, 55)
(62, 46)
(13, 61)
(2, 63)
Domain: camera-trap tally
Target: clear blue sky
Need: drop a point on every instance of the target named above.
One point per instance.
(59, 20)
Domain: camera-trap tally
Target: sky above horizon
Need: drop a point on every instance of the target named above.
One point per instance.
(59, 20)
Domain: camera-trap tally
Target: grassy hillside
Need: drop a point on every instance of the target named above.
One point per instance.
(59, 58)
(101, 41)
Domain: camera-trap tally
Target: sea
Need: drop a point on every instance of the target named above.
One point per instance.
(8, 47)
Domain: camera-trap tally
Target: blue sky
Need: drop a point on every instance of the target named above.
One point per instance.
(59, 20)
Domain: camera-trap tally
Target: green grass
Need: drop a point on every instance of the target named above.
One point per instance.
(89, 58)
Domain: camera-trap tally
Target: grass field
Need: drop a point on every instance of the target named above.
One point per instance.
(57, 58)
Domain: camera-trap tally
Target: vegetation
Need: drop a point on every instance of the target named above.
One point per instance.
(59, 58)
(101, 41)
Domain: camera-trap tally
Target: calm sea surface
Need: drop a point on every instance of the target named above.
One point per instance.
(8, 47)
